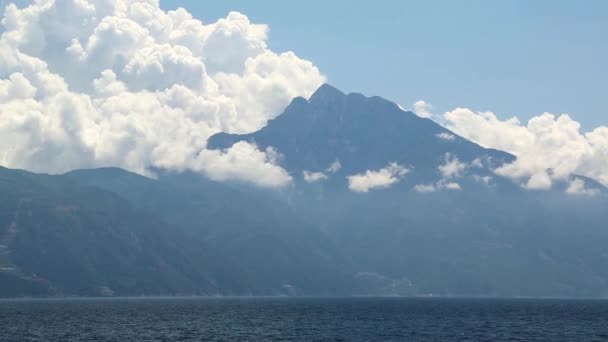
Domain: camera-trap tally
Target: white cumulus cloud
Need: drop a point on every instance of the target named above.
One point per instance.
(242, 162)
(423, 109)
(126, 83)
(549, 147)
(378, 179)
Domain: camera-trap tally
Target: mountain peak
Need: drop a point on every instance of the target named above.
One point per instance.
(326, 93)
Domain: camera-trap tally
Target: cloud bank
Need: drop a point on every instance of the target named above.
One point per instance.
(125, 83)
(549, 147)
(379, 179)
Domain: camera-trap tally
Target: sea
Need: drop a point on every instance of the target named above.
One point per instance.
(303, 319)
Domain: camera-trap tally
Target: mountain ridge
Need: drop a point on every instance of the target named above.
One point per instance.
(361, 133)
(439, 221)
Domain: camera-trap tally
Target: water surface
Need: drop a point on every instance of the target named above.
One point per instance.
(302, 319)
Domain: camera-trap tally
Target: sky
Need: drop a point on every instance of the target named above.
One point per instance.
(143, 84)
(515, 58)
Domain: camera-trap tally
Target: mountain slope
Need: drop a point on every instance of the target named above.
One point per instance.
(112, 232)
(66, 239)
(484, 235)
(431, 217)
(361, 133)
(255, 244)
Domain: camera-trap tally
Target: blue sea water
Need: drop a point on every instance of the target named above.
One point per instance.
(302, 319)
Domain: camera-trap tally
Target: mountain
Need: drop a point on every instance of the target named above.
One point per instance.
(254, 245)
(58, 238)
(361, 133)
(465, 232)
(383, 202)
(111, 232)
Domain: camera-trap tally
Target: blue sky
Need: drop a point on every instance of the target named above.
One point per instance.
(516, 58)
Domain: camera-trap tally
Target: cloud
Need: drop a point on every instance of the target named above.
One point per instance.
(537, 181)
(16, 88)
(425, 188)
(479, 162)
(125, 83)
(243, 162)
(450, 185)
(439, 186)
(423, 109)
(379, 179)
(334, 167)
(450, 169)
(577, 186)
(482, 179)
(549, 148)
(313, 177)
(446, 136)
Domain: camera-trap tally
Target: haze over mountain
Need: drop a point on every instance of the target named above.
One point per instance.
(379, 202)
